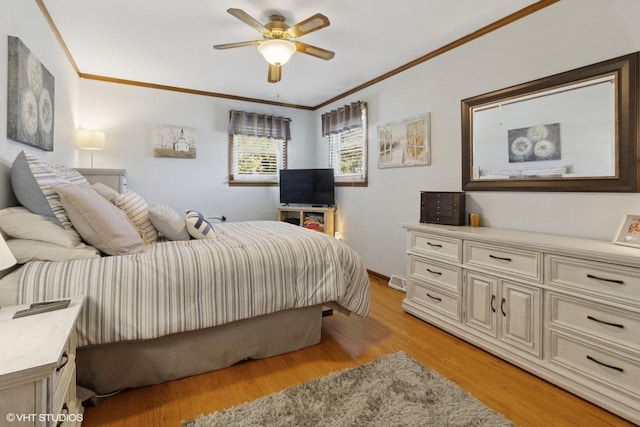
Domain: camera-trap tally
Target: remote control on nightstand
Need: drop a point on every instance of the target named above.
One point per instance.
(42, 308)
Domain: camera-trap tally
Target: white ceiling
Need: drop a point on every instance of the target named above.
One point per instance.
(169, 42)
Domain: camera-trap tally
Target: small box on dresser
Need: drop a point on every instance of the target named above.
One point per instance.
(442, 207)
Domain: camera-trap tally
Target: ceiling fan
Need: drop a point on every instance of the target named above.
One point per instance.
(278, 40)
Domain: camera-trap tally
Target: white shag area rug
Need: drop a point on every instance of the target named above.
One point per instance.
(395, 390)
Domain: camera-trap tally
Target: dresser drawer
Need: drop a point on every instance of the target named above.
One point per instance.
(598, 320)
(447, 276)
(436, 246)
(436, 300)
(515, 262)
(598, 277)
(596, 363)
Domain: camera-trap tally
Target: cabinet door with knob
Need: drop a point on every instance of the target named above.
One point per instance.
(505, 310)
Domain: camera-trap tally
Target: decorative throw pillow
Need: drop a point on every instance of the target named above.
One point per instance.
(32, 181)
(136, 209)
(100, 223)
(20, 223)
(105, 191)
(198, 226)
(168, 222)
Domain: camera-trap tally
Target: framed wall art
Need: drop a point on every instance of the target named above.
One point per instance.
(405, 143)
(30, 98)
(174, 141)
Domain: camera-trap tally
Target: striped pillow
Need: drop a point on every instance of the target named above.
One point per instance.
(32, 181)
(136, 209)
(198, 227)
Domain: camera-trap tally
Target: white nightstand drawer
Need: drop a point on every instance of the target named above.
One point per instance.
(438, 301)
(595, 363)
(514, 262)
(602, 278)
(598, 320)
(447, 276)
(436, 246)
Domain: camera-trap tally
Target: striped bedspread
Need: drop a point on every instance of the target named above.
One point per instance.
(250, 269)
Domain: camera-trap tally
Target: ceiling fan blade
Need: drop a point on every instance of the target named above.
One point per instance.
(247, 19)
(314, 51)
(275, 73)
(237, 44)
(307, 26)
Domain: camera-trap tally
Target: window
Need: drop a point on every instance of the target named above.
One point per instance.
(257, 148)
(256, 159)
(346, 130)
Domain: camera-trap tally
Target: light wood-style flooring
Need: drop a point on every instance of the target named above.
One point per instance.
(347, 342)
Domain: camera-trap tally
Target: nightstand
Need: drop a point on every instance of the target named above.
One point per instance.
(37, 367)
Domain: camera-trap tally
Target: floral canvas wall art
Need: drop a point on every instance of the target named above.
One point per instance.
(30, 98)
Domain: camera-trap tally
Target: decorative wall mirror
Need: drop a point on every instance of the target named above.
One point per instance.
(573, 131)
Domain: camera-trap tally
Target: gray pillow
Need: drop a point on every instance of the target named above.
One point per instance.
(100, 223)
(168, 222)
(32, 181)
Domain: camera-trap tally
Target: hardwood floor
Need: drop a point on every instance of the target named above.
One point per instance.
(351, 341)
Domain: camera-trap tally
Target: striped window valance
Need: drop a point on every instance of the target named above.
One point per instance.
(343, 119)
(262, 125)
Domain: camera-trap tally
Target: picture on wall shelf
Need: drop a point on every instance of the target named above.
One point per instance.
(30, 98)
(405, 143)
(534, 143)
(629, 232)
(174, 141)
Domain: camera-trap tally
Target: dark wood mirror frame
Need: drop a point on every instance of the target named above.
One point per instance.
(626, 179)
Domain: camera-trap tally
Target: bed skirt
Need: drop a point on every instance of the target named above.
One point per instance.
(108, 368)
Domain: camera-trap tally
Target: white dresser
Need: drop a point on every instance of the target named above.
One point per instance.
(37, 368)
(565, 309)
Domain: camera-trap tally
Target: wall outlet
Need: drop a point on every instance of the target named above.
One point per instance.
(338, 235)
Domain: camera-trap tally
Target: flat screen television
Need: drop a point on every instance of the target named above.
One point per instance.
(307, 187)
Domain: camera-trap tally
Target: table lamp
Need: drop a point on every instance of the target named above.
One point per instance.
(92, 140)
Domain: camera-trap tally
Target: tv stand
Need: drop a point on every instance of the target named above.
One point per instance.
(313, 217)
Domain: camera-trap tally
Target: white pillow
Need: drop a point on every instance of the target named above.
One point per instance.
(198, 226)
(136, 209)
(20, 223)
(100, 223)
(26, 250)
(168, 222)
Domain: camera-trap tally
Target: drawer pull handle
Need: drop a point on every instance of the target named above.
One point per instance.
(615, 368)
(502, 303)
(493, 302)
(434, 298)
(433, 245)
(434, 272)
(64, 359)
(619, 282)
(500, 258)
(617, 325)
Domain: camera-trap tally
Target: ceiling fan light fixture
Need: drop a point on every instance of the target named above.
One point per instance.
(277, 51)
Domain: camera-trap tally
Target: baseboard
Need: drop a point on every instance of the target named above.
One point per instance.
(378, 276)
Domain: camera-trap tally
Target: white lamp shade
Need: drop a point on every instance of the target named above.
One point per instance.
(276, 51)
(90, 139)
(6, 257)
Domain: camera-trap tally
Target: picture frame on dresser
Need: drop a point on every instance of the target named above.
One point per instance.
(629, 231)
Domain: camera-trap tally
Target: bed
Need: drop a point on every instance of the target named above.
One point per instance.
(178, 308)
